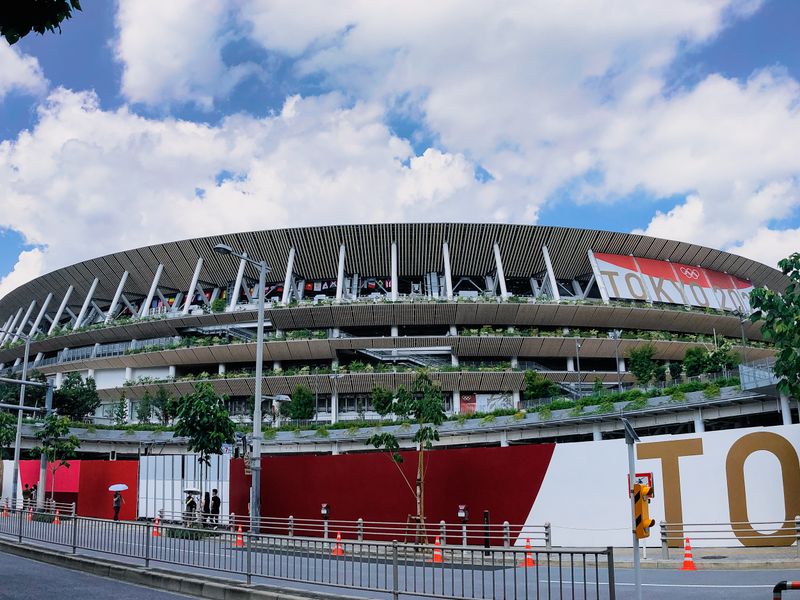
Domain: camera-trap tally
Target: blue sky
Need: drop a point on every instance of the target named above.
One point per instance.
(679, 121)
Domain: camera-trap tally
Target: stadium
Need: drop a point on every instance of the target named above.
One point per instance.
(351, 308)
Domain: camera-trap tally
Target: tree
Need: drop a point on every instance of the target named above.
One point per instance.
(675, 370)
(721, 358)
(56, 445)
(203, 418)
(302, 405)
(537, 386)
(382, 400)
(641, 364)
(8, 429)
(695, 361)
(18, 19)
(120, 414)
(77, 397)
(144, 408)
(165, 406)
(660, 373)
(779, 314)
(424, 404)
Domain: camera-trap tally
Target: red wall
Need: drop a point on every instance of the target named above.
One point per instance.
(504, 481)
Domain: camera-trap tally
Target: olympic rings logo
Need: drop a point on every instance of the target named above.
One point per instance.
(690, 273)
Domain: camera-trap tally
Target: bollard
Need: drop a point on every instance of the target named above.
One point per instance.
(74, 512)
(232, 521)
(291, 525)
(463, 534)
(443, 532)
(486, 541)
(360, 523)
(147, 534)
(548, 536)
(797, 532)
(74, 532)
(161, 515)
(506, 534)
(395, 572)
(664, 541)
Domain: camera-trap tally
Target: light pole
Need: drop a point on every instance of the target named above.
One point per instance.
(578, 356)
(616, 334)
(18, 438)
(255, 466)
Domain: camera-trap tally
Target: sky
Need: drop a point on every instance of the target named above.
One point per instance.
(144, 122)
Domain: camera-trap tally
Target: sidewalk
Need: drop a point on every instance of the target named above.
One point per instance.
(786, 557)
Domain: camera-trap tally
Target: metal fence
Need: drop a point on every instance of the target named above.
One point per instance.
(746, 533)
(389, 569)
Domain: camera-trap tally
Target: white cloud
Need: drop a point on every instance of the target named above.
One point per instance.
(19, 72)
(29, 265)
(85, 182)
(769, 246)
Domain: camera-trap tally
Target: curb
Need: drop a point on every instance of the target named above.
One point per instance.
(190, 584)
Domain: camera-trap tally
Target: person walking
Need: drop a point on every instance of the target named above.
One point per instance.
(26, 497)
(117, 504)
(215, 504)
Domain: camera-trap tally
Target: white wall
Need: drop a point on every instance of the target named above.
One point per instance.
(109, 378)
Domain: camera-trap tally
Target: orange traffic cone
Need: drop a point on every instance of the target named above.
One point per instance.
(337, 549)
(688, 561)
(57, 521)
(437, 552)
(528, 560)
(239, 539)
(156, 532)
(30, 513)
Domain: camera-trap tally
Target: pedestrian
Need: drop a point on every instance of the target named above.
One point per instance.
(34, 492)
(118, 501)
(26, 497)
(191, 506)
(206, 507)
(215, 503)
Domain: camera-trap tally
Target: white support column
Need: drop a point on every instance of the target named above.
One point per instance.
(453, 359)
(699, 425)
(515, 399)
(570, 363)
(6, 327)
(456, 402)
(221, 368)
(115, 301)
(7, 334)
(551, 274)
(598, 278)
(395, 283)
(500, 275)
(85, 305)
(515, 362)
(504, 439)
(448, 273)
(597, 435)
(171, 371)
(340, 274)
(287, 280)
(128, 373)
(395, 331)
(786, 412)
(193, 286)
(59, 379)
(621, 364)
(238, 285)
(24, 321)
(334, 406)
(89, 373)
(146, 304)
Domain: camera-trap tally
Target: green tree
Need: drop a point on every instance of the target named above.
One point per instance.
(382, 400)
(120, 414)
(779, 314)
(204, 420)
(721, 358)
(695, 361)
(538, 386)
(165, 406)
(641, 364)
(8, 429)
(302, 405)
(18, 19)
(675, 370)
(660, 373)
(77, 397)
(424, 405)
(56, 445)
(144, 408)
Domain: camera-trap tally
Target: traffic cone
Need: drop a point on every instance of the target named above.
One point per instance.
(239, 539)
(57, 521)
(30, 513)
(337, 549)
(688, 561)
(437, 552)
(528, 560)
(156, 532)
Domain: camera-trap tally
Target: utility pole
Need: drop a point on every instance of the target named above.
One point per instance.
(630, 439)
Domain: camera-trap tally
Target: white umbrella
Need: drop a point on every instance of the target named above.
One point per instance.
(191, 491)
(117, 487)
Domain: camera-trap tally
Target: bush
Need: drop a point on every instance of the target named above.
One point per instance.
(605, 407)
(712, 391)
(544, 412)
(678, 396)
(637, 404)
(188, 534)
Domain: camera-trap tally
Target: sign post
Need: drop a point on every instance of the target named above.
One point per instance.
(630, 439)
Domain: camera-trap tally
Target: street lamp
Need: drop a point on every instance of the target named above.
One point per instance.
(18, 438)
(255, 466)
(616, 334)
(578, 356)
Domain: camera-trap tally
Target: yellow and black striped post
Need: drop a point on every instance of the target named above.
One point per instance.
(641, 510)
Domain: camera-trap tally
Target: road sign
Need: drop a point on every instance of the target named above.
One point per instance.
(642, 479)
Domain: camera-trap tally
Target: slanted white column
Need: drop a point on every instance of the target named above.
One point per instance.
(24, 321)
(395, 290)
(60, 311)
(786, 412)
(287, 280)
(85, 305)
(35, 327)
(146, 304)
(456, 402)
(117, 295)
(597, 435)
(340, 275)
(551, 274)
(237, 288)
(500, 274)
(699, 425)
(193, 286)
(448, 273)
(59, 379)
(6, 327)
(7, 334)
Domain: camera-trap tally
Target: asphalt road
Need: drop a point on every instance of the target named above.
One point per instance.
(25, 579)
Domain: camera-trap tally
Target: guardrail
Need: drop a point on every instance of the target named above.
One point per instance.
(63, 508)
(781, 586)
(394, 568)
(779, 533)
(464, 534)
